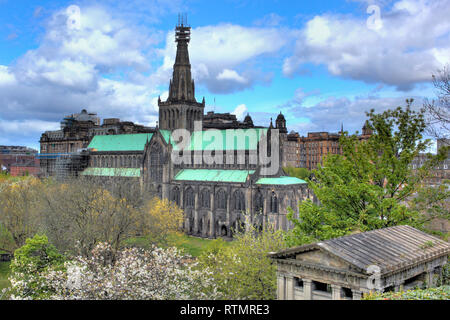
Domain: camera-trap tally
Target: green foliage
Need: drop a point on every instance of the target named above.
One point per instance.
(367, 186)
(439, 293)
(4, 282)
(301, 173)
(36, 255)
(445, 279)
(6, 240)
(243, 270)
(193, 246)
(433, 202)
(29, 262)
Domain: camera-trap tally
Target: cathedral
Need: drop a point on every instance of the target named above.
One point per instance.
(222, 172)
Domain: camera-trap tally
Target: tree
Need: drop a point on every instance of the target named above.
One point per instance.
(19, 205)
(368, 186)
(433, 203)
(301, 173)
(80, 213)
(160, 217)
(30, 262)
(438, 110)
(135, 274)
(243, 270)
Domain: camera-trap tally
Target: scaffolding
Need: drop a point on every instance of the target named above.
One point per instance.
(64, 166)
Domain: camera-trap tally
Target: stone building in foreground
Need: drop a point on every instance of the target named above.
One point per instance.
(389, 259)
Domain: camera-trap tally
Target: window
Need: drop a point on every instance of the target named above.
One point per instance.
(239, 200)
(221, 199)
(298, 283)
(274, 203)
(347, 292)
(320, 286)
(175, 196)
(156, 163)
(205, 198)
(259, 202)
(189, 198)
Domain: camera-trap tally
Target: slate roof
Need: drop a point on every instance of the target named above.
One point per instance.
(120, 142)
(230, 139)
(391, 249)
(210, 175)
(280, 181)
(112, 172)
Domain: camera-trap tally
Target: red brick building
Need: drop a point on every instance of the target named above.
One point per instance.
(31, 168)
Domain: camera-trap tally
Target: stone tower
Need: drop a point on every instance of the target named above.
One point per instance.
(280, 124)
(181, 109)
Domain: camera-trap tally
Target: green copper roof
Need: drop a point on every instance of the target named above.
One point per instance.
(280, 181)
(120, 142)
(112, 172)
(239, 176)
(231, 139)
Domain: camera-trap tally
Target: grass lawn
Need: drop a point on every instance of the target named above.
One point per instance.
(4, 271)
(191, 245)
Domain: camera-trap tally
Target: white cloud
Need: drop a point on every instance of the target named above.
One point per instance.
(219, 53)
(74, 69)
(331, 112)
(412, 44)
(232, 75)
(240, 111)
(33, 126)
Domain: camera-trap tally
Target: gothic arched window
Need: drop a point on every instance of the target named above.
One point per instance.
(189, 198)
(273, 203)
(221, 199)
(239, 200)
(156, 163)
(175, 196)
(259, 203)
(159, 191)
(205, 198)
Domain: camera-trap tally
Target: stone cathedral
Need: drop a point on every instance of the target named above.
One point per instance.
(216, 173)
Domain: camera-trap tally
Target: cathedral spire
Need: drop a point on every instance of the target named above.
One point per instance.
(181, 109)
(182, 86)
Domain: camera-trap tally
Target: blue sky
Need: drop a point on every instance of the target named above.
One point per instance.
(321, 63)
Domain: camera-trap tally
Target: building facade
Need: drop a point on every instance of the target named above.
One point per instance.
(389, 259)
(316, 146)
(62, 150)
(218, 177)
(13, 157)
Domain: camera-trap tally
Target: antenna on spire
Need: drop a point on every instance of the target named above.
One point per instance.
(182, 20)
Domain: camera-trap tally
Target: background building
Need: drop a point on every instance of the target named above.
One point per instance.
(62, 151)
(12, 158)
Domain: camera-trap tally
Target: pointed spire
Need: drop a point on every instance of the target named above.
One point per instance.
(182, 86)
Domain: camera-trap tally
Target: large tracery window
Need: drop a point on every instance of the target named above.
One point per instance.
(156, 163)
(239, 200)
(189, 197)
(259, 203)
(175, 196)
(205, 198)
(221, 199)
(274, 203)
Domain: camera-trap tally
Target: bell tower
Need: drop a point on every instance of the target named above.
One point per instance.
(181, 109)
